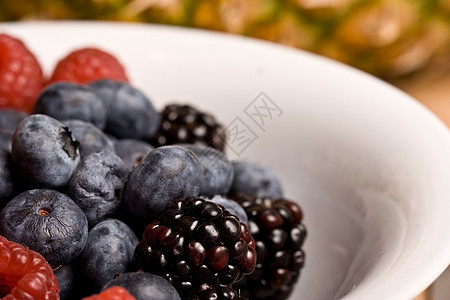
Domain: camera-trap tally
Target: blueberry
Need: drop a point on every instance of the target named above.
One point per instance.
(5, 139)
(10, 118)
(64, 100)
(44, 151)
(145, 286)
(131, 151)
(232, 206)
(165, 174)
(109, 250)
(255, 180)
(65, 277)
(217, 170)
(90, 137)
(111, 137)
(130, 114)
(6, 177)
(46, 221)
(96, 185)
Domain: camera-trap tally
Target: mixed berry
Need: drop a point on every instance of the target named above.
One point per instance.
(200, 247)
(21, 75)
(103, 196)
(112, 293)
(275, 224)
(88, 64)
(25, 274)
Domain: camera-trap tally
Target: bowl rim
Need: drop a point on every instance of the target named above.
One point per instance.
(439, 262)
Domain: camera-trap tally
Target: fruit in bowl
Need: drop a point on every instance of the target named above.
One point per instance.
(155, 226)
(20, 72)
(24, 273)
(360, 157)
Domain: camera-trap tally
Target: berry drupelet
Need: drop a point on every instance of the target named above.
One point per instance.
(276, 225)
(112, 293)
(144, 286)
(88, 64)
(185, 124)
(200, 247)
(21, 76)
(25, 274)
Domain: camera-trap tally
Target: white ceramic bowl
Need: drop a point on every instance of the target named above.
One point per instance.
(369, 165)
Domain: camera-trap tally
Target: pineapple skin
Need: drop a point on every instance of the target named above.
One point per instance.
(388, 38)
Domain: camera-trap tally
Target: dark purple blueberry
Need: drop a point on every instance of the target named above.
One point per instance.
(96, 185)
(108, 251)
(145, 286)
(44, 151)
(7, 186)
(129, 113)
(132, 151)
(90, 137)
(165, 174)
(255, 180)
(46, 221)
(65, 277)
(64, 101)
(10, 118)
(217, 170)
(232, 206)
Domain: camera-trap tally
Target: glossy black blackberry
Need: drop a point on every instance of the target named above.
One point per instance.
(276, 225)
(185, 124)
(200, 247)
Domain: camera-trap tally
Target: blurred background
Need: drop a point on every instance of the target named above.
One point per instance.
(404, 42)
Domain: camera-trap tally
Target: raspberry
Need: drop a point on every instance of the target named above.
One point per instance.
(21, 77)
(88, 64)
(276, 225)
(200, 247)
(25, 274)
(185, 124)
(112, 293)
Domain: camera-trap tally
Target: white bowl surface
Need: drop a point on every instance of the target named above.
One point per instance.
(369, 165)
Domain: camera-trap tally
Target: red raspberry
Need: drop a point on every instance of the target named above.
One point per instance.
(88, 64)
(21, 77)
(112, 293)
(25, 274)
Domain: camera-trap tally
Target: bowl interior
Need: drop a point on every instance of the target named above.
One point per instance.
(368, 165)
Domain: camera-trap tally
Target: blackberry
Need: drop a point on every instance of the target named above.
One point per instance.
(200, 247)
(276, 225)
(185, 124)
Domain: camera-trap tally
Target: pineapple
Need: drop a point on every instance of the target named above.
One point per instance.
(388, 38)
